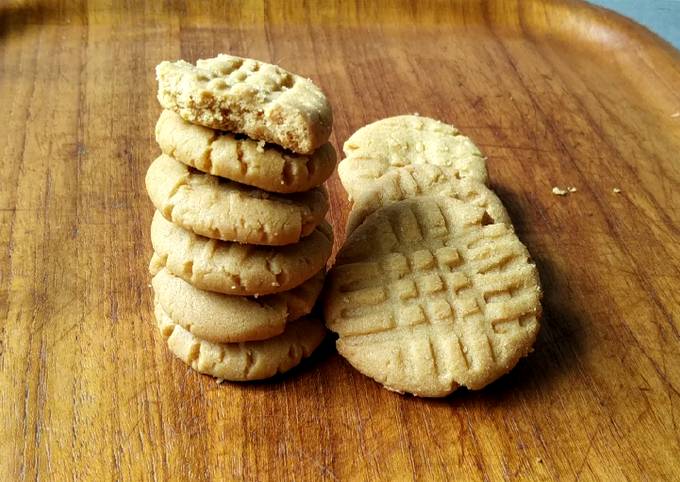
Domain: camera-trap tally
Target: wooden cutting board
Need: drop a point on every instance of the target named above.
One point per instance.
(556, 93)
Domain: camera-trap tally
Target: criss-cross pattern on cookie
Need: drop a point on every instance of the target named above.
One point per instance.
(425, 180)
(429, 271)
(224, 72)
(395, 142)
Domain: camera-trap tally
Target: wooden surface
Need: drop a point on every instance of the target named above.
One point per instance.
(555, 93)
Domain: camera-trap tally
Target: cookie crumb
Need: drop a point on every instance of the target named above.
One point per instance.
(616, 190)
(219, 381)
(676, 114)
(559, 192)
(572, 189)
(260, 146)
(416, 113)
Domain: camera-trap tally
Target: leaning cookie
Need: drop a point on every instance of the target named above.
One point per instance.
(234, 268)
(250, 360)
(220, 318)
(247, 96)
(221, 209)
(242, 159)
(425, 297)
(395, 142)
(420, 181)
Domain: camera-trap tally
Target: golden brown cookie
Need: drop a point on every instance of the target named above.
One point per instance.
(221, 209)
(249, 360)
(424, 180)
(247, 96)
(426, 297)
(234, 268)
(404, 140)
(223, 318)
(242, 159)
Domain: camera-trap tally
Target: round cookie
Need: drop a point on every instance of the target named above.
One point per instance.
(249, 360)
(242, 159)
(426, 297)
(424, 180)
(217, 208)
(247, 96)
(400, 141)
(234, 268)
(223, 318)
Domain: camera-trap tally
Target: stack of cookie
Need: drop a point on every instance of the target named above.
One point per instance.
(432, 289)
(239, 237)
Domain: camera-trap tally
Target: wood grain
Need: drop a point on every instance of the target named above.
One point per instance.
(556, 93)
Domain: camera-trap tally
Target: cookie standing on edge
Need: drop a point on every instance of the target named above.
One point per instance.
(399, 141)
(234, 268)
(247, 96)
(243, 160)
(220, 318)
(221, 209)
(244, 361)
(424, 180)
(426, 296)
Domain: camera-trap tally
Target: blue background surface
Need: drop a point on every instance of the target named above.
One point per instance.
(660, 16)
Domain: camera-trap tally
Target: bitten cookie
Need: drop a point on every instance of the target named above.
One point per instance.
(238, 269)
(400, 141)
(250, 97)
(217, 208)
(241, 159)
(223, 318)
(424, 180)
(426, 297)
(250, 360)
